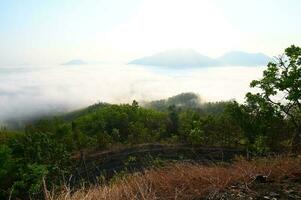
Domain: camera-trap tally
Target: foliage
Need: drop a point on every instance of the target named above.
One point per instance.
(280, 91)
(30, 180)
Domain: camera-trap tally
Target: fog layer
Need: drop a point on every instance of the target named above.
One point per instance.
(26, 91)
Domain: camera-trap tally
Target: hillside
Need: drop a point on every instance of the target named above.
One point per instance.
(69, 116)
(80, 145)
(174, 148)
(272, 178)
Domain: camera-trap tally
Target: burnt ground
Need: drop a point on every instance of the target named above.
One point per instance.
(107, 163)
(138, 158)
(286, 189)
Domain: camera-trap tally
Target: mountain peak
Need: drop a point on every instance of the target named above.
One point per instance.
(241, 58)
(176, 58)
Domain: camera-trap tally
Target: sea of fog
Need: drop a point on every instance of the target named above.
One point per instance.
(26, 91)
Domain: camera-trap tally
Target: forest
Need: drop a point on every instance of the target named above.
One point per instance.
(269, 121)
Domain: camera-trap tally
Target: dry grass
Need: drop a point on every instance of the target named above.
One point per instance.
(188, 181)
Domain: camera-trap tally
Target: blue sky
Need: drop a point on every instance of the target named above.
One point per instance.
(53, 31)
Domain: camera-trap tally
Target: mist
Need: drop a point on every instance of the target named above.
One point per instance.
(29, 91)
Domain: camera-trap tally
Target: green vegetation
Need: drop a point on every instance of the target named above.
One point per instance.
(41, 152)
(280, 95)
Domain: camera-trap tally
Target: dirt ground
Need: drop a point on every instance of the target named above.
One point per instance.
(285, 189)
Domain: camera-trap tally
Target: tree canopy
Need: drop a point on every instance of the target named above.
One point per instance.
(280, 90)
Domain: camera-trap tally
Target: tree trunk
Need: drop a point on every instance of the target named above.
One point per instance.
(296, 142)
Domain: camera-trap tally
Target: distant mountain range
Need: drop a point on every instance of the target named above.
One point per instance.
(240, 58)
(75, 62)
(190, 58)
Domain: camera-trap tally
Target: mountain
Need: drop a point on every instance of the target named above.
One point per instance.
(180, 58)
(187, 101)
(176, 58)
(75, 62)
(183, 100)
(239, 58)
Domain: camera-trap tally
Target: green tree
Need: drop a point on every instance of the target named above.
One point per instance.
(7, 172)
(30, 181)
(135, 104)
(174, 120)
(280, 91)
(104, 140)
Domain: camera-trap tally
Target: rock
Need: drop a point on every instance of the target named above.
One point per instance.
(261, 179)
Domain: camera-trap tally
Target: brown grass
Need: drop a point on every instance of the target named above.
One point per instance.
(189, 181)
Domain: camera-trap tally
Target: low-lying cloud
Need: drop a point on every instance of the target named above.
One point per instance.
(28, 91)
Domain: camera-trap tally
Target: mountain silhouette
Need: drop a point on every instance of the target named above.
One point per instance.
(180, 58)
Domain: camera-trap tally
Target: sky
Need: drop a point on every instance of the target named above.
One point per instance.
(54, 31)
